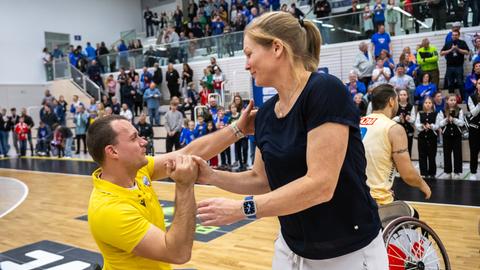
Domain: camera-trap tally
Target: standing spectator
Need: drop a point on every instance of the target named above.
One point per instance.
(364, 63)
(190, 101)
(94, 72)
(367, 22)
(475, 6)
(172, 77)
(455, 27)
(67, 136)
(474, 130)
(13, 120)
(452, 137)
(381, 41)
(111, 86)
(63, 103)
(426, 89)
(402, 81)
(392, 17)
(241, 146)
(116, 106)
(21, 130)
(122, 54)
(138, 101)
(322, 9)
(427, 122)
(476, 53)
(187, 75)
(379, 14)
(126, 112)
(354, 86)
(188, 134)
(146, 78)
(128, 94)
(200, 127)
(296, 12)
(90, 52)
(47, 63)
(213, 162)
(380, 74)
(4, 133)
(411, 68)
(218, 80)
(406, 117)
(122, 79)
(59, 112)
(57, 53)
(102, 59)
(438, 11)
(81, 122)
(58, 141)
(221, 121)
(427, 59)
(48, 98)
(29, 121)
(148, 16)
(151, 96)
(387, 60)
(173, 125)
(157, 76)
(132, 73)
(454, 53)
(48, 117)
(472, 79)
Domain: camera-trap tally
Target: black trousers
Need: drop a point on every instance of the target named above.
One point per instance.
(427, 151)
(241, 151)
(173, 141)
(83, 138)
(474, 142)
(226, 157)
(452, 144)
(410, 143)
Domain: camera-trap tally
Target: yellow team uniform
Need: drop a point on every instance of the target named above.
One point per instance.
(119, 218)
(378, 151)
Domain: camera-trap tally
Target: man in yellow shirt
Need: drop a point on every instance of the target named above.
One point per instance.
(386, 148)
(124, 215)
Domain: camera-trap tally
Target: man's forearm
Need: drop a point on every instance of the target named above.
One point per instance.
(181, 234)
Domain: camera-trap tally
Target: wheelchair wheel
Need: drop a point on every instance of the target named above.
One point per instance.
(412, 245)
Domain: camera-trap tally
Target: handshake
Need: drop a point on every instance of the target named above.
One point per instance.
(185, 170)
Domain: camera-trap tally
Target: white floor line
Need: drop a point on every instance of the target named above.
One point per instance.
(443, 204)
(24, 195)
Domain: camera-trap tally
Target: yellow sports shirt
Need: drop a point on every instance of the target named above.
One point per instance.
(119, 218)
(378, 152)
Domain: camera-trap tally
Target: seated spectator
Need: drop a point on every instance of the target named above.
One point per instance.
(43, 135)
(380, 74)
(402, 81)
(126, 112)
(426, 89)
(438, 101)
(411, 67)
(472, 79)
(360, 103)
(387, 60)
(218, 80)
(188, 134)
(200, 127)
(476, 52)
(354, 86)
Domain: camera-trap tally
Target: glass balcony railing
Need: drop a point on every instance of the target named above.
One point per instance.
(357, 24)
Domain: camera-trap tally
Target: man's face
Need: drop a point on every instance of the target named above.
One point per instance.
(455, 36)
(352, 78)
(130, 148)
(400, 71)
(381, 29)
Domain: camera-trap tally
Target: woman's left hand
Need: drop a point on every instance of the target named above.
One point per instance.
(219, 211)
(246, 123)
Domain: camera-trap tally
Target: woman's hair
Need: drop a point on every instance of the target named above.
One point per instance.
(431, 100)
(301, 39)
(429, 77)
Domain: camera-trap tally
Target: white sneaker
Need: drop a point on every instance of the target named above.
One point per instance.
(457, 176)
(473, 176)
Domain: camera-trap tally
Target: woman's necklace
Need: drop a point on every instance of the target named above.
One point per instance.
(279, 110)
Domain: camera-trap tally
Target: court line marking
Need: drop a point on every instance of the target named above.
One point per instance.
(24, 195)
(444, 204)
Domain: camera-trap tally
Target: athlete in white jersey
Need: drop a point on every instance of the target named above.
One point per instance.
(386, 148)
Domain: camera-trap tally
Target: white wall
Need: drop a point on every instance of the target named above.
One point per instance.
(21, 95)
(24, 22)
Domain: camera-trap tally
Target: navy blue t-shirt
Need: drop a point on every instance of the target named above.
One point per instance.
(350, 220)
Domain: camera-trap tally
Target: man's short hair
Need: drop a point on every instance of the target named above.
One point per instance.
(100, 134)
(381, 95)
(456, 31)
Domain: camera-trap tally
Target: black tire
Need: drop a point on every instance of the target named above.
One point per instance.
(402, 224)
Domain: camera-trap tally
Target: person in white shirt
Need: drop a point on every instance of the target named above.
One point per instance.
(380, 74)
(364, 63)
(126, 112)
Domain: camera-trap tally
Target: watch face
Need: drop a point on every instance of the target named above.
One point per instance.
(249, 208)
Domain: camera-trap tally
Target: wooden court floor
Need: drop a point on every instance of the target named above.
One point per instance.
(55, 200)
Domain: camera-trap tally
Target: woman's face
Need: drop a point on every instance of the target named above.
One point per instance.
(452, 101)
(426, 79)
(237, 100)
(427, 105)
(402, 96)
(261, 62)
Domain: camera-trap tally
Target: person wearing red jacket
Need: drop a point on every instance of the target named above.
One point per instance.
(22, 130)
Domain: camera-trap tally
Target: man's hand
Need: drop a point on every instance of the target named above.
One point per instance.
(183, 170)
(426, 190)
(219, 211)
(205, 172)
(246, 123)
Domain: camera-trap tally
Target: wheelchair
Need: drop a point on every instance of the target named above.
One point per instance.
(411, 244)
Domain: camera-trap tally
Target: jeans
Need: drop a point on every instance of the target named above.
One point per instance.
(68, 147)
(475, 6)
(4, 146)
(325, 32)
(454, 75)
(154, 116)
(23, 147)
